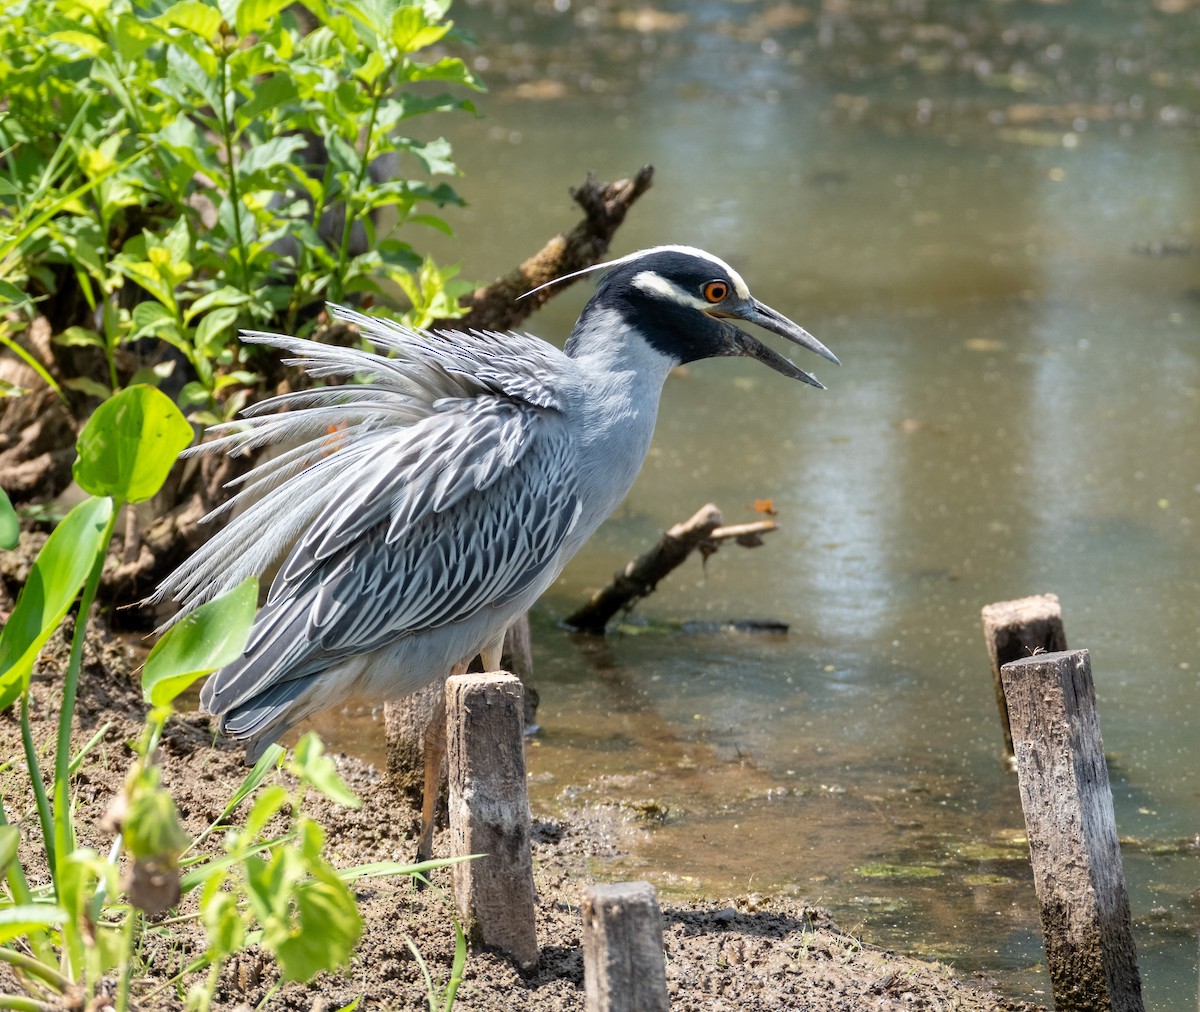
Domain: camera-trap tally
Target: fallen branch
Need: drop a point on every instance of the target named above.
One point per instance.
(747, 535)
(496, 306)
(639, 577)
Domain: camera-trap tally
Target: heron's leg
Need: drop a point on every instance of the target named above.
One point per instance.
(491, 654)
(435, 753)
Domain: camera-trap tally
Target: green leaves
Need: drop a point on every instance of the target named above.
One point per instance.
(208, 638)
(170, 151)
(315, 768)
(308, 915)
(129, 444)
(10, 529)
(18, 921)
(54, 581)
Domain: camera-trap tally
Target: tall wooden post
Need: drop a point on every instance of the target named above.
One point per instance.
(623, 965)
(489, 813)
(1016, 629)
(1072, 833)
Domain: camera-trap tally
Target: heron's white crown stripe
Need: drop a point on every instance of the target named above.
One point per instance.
(739, 286)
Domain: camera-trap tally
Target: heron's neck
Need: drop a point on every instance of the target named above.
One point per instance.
(621, 379)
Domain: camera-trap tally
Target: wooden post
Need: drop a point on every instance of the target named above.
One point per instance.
(1072, 833)
(489, 813)
(623, 967)
(1016, 629)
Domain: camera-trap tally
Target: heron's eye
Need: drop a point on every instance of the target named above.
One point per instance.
(715, 291)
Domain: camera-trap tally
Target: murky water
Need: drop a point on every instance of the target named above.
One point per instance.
(972, 213)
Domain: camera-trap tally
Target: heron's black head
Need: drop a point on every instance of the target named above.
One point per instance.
(680, 300)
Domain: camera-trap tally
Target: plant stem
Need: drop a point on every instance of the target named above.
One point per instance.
(235, 197)
(339, 268)
(23, 1004)
(126, 961)
(35, 968)
(19, 887)
(45, 815)
(64, 830)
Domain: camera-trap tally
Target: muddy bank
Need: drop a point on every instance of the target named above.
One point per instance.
(746, 952)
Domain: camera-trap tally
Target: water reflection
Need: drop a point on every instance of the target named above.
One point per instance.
(953, 198)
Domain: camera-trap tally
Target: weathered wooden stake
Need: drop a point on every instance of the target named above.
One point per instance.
(1072, 833)
(405, 719)
(489, 813)
(1016, 629)
(623, 967)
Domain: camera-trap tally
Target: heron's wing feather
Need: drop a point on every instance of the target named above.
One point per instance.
(335, 439)
(463, 511)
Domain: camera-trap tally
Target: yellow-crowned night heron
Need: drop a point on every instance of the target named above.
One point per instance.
(418, 511)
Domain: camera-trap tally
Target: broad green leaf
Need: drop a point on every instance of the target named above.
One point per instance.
(11, 293)
(90, 44)
(54, 581)
(412, 30)
(324, 929)
(208, 638)
(184, 69)
(89, 386)
(10, 529)
(79, 337)
(276, 151)
(213, 330)
(314, 767)
(17, 921)
(129, 444)
(192, 16)
(435, 156)
(450, 69)
(270, 93)
(255, 15)
(177, 242)
(225, 296)
(133, 36)
(222, 923)
(264, 809)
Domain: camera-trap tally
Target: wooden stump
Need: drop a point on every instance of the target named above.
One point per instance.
(405, 721)
(1016, 629)
(1072, 833)
(489, 813)
(623, 966)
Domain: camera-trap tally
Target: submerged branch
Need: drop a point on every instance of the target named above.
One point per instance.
(639, 577)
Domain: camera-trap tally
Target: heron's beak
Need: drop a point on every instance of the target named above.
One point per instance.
(741, 343)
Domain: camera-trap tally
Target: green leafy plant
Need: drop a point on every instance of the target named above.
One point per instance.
(175, 171)
(271, 885)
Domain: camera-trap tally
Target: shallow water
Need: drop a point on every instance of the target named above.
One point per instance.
(993, 221)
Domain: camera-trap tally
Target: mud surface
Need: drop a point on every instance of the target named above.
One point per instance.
(742, 953)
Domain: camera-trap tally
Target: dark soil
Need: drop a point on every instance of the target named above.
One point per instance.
(742, 953)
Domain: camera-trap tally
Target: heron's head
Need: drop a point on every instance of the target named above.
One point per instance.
(682, 302)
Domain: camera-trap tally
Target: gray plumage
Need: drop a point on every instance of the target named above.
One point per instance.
(415, 512)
